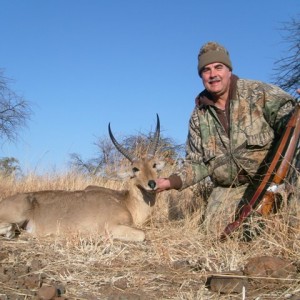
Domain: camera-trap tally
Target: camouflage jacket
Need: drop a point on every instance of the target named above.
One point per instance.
(257, 114)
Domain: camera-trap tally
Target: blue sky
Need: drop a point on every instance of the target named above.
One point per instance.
(84, 63)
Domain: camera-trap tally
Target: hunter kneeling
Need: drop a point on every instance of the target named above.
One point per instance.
(234, 126)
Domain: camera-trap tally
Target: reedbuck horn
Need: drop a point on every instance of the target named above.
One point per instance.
(152, 148)
(119, 147)
(154, 143)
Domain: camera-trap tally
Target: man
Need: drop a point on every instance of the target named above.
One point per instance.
(232, 128)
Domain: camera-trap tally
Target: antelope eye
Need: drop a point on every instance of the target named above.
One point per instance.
(135, 170)
(154, 166)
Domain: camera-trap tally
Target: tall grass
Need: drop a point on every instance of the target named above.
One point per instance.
(174, 261)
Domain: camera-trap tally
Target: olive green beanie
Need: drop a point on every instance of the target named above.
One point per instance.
(212, 52)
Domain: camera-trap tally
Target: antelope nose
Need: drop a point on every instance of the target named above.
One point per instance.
(152, 184)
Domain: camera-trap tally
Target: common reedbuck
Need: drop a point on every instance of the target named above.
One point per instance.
(93, 210)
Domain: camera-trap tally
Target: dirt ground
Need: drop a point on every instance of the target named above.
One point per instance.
(174, 262)
(85, 270)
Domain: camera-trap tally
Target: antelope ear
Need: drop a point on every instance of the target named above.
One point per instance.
(160, 165)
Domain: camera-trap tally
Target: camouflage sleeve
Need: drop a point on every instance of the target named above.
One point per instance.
(278, 105)
(194, 169)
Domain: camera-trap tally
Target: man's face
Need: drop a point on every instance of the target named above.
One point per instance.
(216, 78)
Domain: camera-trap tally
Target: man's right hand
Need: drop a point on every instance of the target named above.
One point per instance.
(162, 184)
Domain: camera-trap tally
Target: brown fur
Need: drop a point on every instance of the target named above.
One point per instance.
(93, 210)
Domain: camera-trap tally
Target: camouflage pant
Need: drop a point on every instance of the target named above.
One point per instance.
(223, 203)
(221, 207)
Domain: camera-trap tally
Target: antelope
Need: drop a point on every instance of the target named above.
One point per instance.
(92, 210)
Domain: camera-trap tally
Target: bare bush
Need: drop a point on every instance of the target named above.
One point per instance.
(14, 110)
(287, 68)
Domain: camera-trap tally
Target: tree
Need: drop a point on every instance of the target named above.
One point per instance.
(287, 69)
(95, 166)
(108, 158)
(14, 110)
(9, 166)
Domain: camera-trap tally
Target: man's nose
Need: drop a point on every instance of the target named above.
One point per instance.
(213, 73)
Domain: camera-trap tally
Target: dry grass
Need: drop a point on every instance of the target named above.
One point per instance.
(173, 263)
